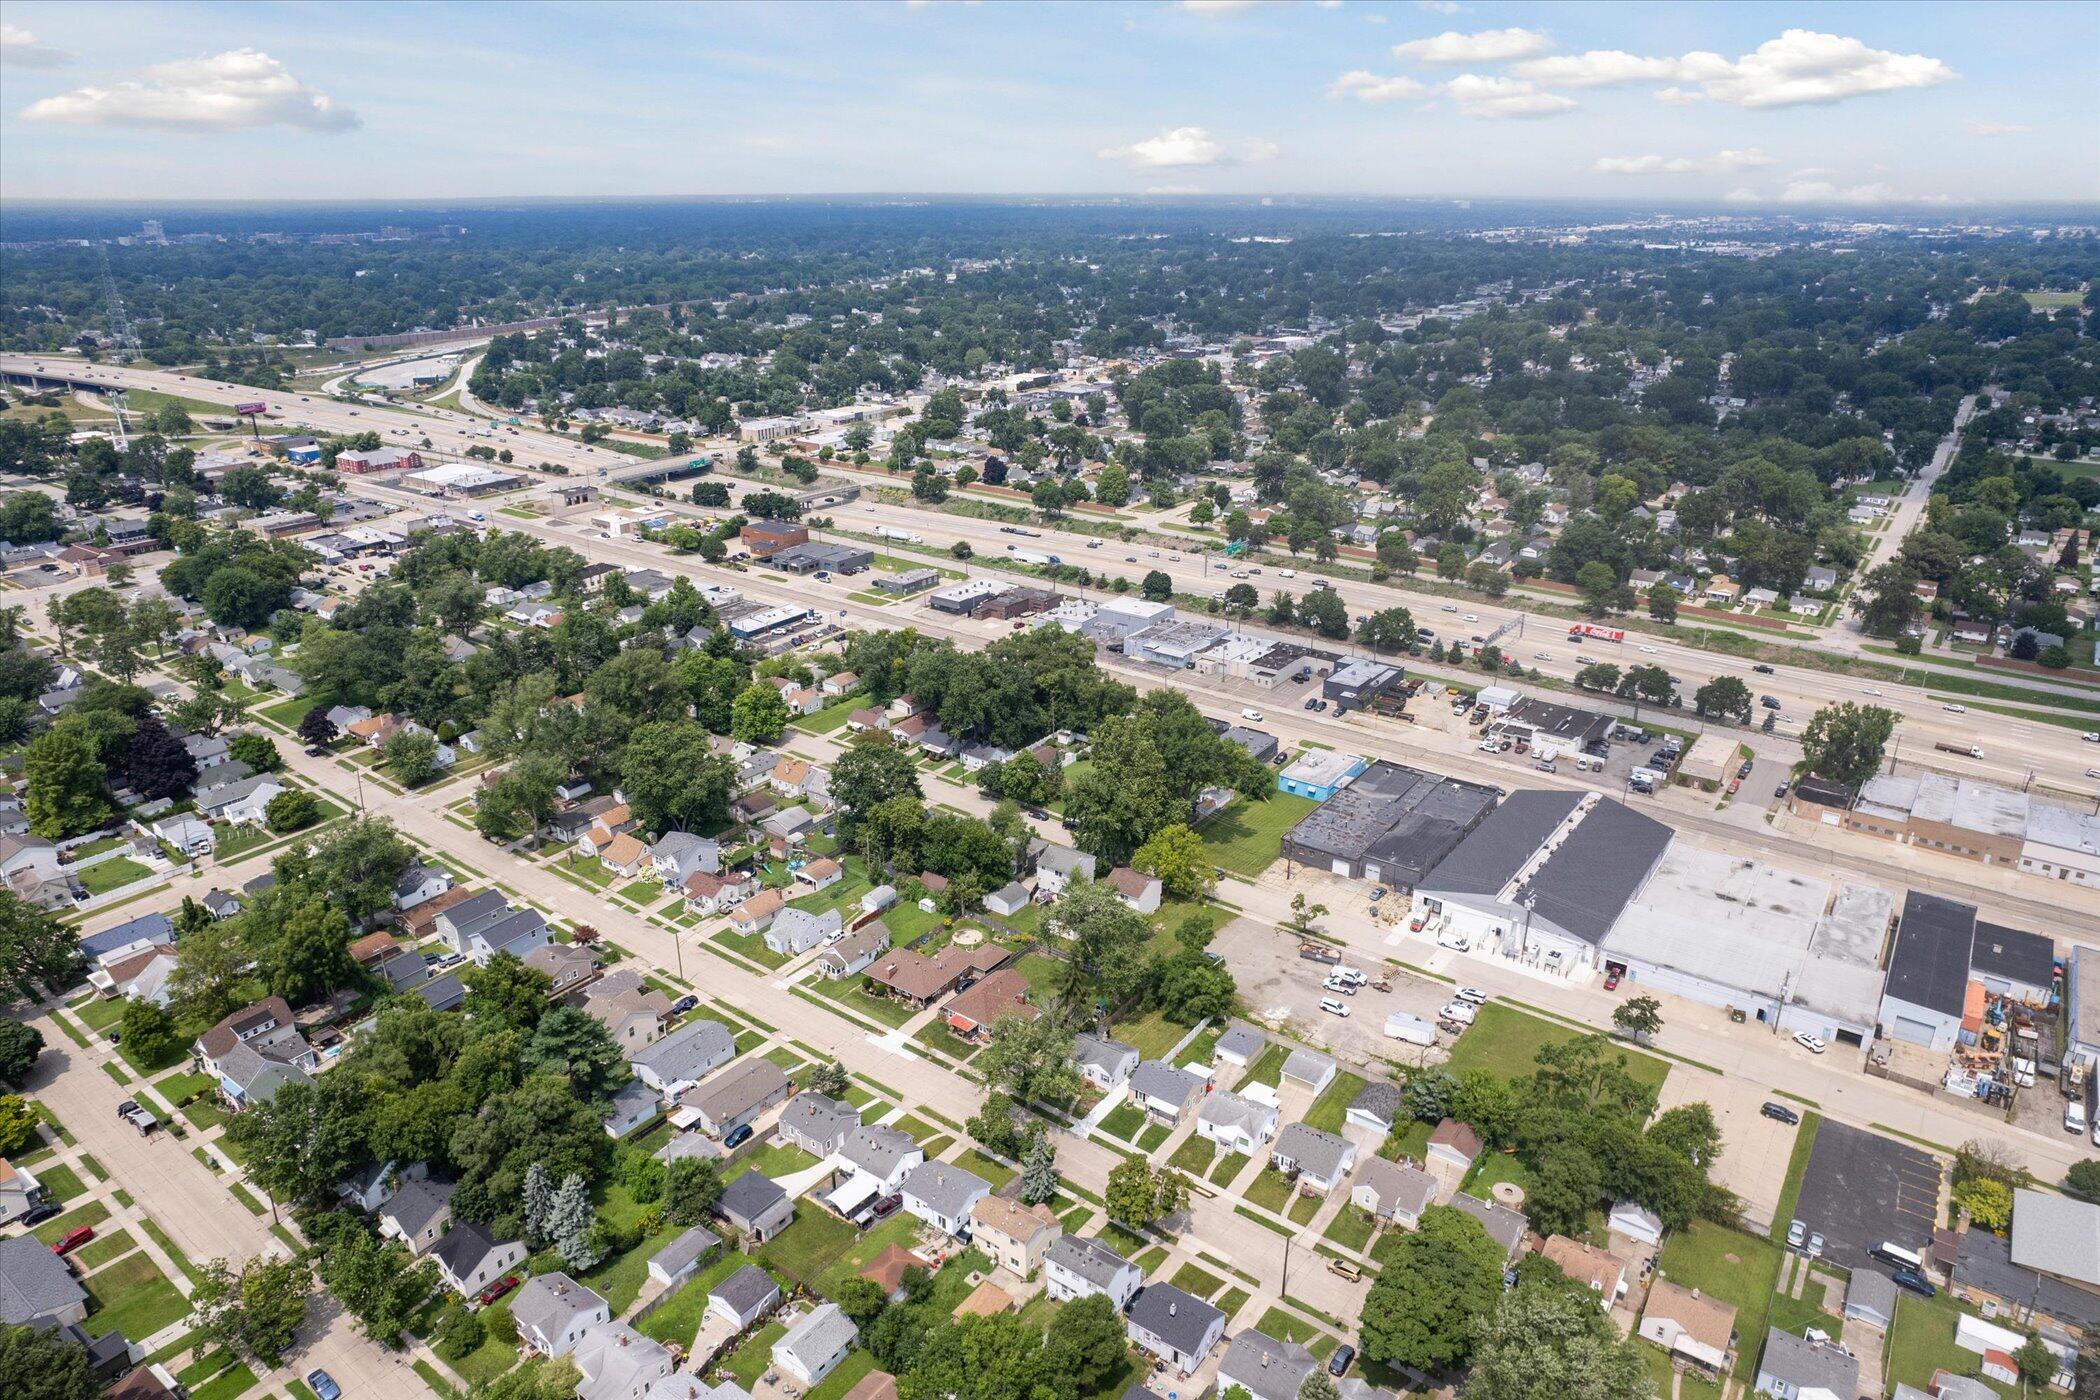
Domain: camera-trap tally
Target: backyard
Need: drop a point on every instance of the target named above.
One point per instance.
(1246, 837)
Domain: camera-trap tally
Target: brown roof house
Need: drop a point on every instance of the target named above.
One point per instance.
(254, 1052)
(1603, 1271)
(1453, 1148)
(1694, 1328)
(1016, 1236)
(922, 980)
(1003, 993)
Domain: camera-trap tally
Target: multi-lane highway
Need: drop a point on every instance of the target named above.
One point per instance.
(2016, 751)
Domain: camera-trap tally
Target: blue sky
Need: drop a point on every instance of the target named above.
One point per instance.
(1775, 104)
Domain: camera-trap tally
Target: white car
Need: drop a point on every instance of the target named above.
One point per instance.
(1648, 651)
(1471, 994)
(1453, 940)
(2092, 772)
(2091, 736)
(1334, 1007)
(1542, 656)
(1254, 715)
(1354, 976)
(1955, 709)
(1873, 690)
(1462, 1012)
(1814, 1045)
(1472, 617)
(1339, 984)
(1450, 607)
(1287, 573)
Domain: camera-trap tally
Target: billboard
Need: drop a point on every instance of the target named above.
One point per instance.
(249, 410)
(1591, 629)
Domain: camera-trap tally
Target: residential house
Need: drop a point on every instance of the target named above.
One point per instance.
(1693, 1327)
(814, 1346)
(244, 803)
(856, 951)
(469, 1258)
(1106, 1064)
(187, 835)
(789, 775)
(1264, 1367)
(1008, 900)
(1794, 1368)
(1141, 892)
(419, 884)
(1235, 1122)
(417, 1214)
(1163, 1091)
(1076, 1266)
(1014, 1235)
(374, 949)
(1317, 1160)
(37, 1287)
(566, 965)
(736, 1096)
(254, 1052)
(371, 1186)
(941, 1194)
(633, 1014)
(618, 1363)
(820, 874)
(1176, 1326)
(794, 932)
(884, 1156)
(1452, 1149)
(745, 1297)
(1395, 1191)
(679, 1260)
(1505, 1227)
(1870, 1298)
(756, 914)
(816, 1124)
(624, 855)
(679, 855)
(755, 1207)
(485, 924)
(1603, 1272)
(680, 1060)
(1636, 1222)
(1057, 867)
(1309, 1070)
(841, 683)
(921, 980)
(712, 894)
(974, 1010)
(20, 1191)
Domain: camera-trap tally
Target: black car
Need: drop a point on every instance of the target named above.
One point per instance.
(1770, 702)
(1914, 1281)
(1744, 770)
(42, 1211)
(1780, 1112)
(1765, 670)
(684, 1004)
(1339, 1362)
(314, 751)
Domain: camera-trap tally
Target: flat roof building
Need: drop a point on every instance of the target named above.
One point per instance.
(1391, 825)
(1320, 773)
(1548, 723)
(1928, 979)
(1362, 685)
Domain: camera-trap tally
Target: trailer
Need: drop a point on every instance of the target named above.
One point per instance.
(891, 532)
(1412, 1029)
(1580, 631)
(1315, 951)
(1966, 750)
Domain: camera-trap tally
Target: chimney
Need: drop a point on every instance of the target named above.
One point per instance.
(1173, 1309)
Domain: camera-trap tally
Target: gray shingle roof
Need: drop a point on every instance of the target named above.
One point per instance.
(1156, 1079)
(1317, 1153)
(34, 1282)
(820, 1335)
(687, 1248)
(877, 1150)
(1087, 1257)
(818, 1118)
(1177, 1318)
(1090, 1049)
(464, 1246)
(547, 1303)
(1271, 1369)
(1379, 1099)
(1803, 1364)
(750, 1197)
(945, 1188)
(1585, 885)
(2056, 1235)
(1242, 1041)
(687, 1052)
(1307, 1066)
(745, 1289)
(418, 1203)
(1496, 849)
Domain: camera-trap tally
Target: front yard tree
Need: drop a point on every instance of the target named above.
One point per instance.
(1133, 1194)
(157, 765)
(256, 1311)
(149, 1031)
(758, 716)
(211, 966)
(828, 1079)
(1439, 1288)
(1388, 629)
(1158, 586)
(258, 751)
(1662, 603)
(411, 756)
(65, 796)
(1548, 1341)
(377, 1281)
(41, 1364)
(1105, 951)
(1640, 1017)
(866, 775)
(1031, 1058)
(1844, 742)
(1177, 856)
(1038, 1171)
(673, 781)
(19, 1047)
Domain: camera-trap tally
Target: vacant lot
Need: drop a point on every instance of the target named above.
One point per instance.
(1506, 1042)
(1246, 837)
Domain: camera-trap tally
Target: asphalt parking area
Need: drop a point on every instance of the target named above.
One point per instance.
(1281, 986)
(1861, 1188)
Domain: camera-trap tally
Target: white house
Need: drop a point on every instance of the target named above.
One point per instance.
(1078, 1266)
(814, 1347)
(1235, 1122)
(941, 1194)
(796, 931)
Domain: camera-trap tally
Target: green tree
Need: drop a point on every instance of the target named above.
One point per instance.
(570, 1042)
(828, 1079)
(1031, 1058)
(1989, 1203)
(65, 795)
(210, 980)
(1157, 586)
(36, 953)
(691, 1188)
(294, 809)
(1322, 610)
(1387, 630)
(1179, 858)
(1133, 1193)
(1599, 586)
(1844, 742)
(2083, 1180)
(758, 716)
(2036, 1361)
(1639, 1017)
(1087, 1343)
(1039, 1177)
(867, 775)
(672, 778)
(411, 756)
(1318, 1385)
(302, 949)
(1662, 602)
(300, 1141)
(378, 1282)
(1725, 697)
(1552, 1343)
(39, 1363)
(18, 1120)
(1104, 954)
(20, 1046)
(149, 1031)
(258, 751)
(505, 992)
(1305, 917)
(1435, 1292)
(256, 1311)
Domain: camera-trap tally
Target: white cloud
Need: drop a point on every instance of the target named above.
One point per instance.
(1800, 67)
(1998, 128)
(232, 91)
(1439, 7)
(1487, 46)
(1185, 147)
(1479, 96)
(1682, 165)
(1366, 86)
(21, 49)
(1801, 189)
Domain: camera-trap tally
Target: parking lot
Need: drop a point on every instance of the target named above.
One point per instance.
(1281, 986)
(1755, 1149)
(1860, 1189)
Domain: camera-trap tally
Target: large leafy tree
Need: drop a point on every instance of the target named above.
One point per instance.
(65, 771)
(354, 866)
(1723, 696)
(758, 715)
(673, 781)
(299, 1142)
(1031, 1058)
(570, 1042)
(301, 947)
(256, 1310)
(211, 972)
(1844, 742)
(39, 1363)
(867, 775)
(157, 765)
(1105, 947)
(1552, 1343)
(377, 1281)
(1178, 857)
(542, 1120)
(1440, 1286)
(36, 951)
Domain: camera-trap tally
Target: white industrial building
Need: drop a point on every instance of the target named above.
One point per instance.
(1117, 618)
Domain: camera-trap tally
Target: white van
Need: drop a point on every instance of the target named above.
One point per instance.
(1354, 976)
(1462, 1012)
(2074, 1117)
(1254, 715)
(1454, 940)
(1334, 1006)
(1288, 573)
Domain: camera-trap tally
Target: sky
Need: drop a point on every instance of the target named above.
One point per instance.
(1777, 104)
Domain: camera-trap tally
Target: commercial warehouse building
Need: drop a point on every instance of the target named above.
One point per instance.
(1928, 979)
(1171, 644)
(1726, 931)
(1319, 774)
(1391, 825)
(1543, 722)
(822, 556)
(1544, 879)
(1364, 685)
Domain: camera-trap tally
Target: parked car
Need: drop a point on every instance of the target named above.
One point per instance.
(496, 1290)
(1471, 994)
(1339, 1362)
(323, 1385)
(1796, 1235)
(1611, 980)
(684, 1004)
(73, 1239)
(1453, 940)
(886, 1207)
(1337, 984)
(1346, 1269)
(40, 1212)
(314, 751)
(1914, 1281)
(1813, 1044)
(1815, 1244)
(1779, 1112)
(738, 1136)
(1334, 1006)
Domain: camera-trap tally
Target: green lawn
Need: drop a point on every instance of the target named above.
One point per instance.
(1191, 1279)
(1126, 1120)
(850, 993)
(1152, 1034)
(847, 1375)
(1505, 1042)
(774, 1159)
(1269, 1068)
(111, 874)
(1734, 1267)
(1331, 1109)
(226, 1385)
(752, 946)
(1193, 1156)
(978, 1164)
(1796, 1168)
(1227, 1168)
(132, 1297)
(1922, 1341)
(58, 1227)
(105, 1248)
(1269, 1189)
(749, 1361)
(1246, 837)
(1287, 1326)
(100, 1013)
(1350, 1228)
(60, 1181)
(679, 1319)
(809, 1246)
(831, 717)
